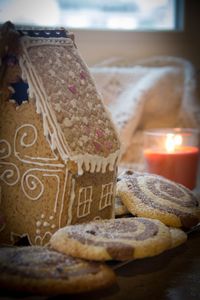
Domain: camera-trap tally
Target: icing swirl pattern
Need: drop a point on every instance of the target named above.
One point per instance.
(32, 180)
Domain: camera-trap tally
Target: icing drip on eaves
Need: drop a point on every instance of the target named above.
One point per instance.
(95, 163)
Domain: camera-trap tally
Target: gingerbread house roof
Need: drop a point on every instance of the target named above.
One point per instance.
(75, 121)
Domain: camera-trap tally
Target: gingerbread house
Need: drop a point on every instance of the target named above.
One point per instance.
(58, 146)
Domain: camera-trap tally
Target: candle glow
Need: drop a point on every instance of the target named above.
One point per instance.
(173, 154)
(172, 141)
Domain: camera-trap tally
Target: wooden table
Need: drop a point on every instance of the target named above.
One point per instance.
(173, 275)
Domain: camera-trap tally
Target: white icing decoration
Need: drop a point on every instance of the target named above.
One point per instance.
(45, 125)
(63, 197)
(32, 182)
(38, 108)
(57, 107)
(57, 193)
(46, 224)
(67, 122)
(114, 193)
(38, 223)
(25, 135)
(5, 151)
(71, 201)
(11, 175)
(57, 140)
(39, 240)
(106, 196)
(97, 163)
(40, 237)
(40, 161)
(84, 201)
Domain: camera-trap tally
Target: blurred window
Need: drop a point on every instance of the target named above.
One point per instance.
(93, 14)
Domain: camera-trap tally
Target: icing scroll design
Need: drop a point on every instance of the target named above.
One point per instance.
(32, 183)
(26, 136)
(5, 149)
(33, 187)
(9, 172)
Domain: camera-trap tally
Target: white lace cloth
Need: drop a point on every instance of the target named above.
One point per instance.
(153, 93)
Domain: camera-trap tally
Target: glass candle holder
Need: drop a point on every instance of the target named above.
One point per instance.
(173, 153)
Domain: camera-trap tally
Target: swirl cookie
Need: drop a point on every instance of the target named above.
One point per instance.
(42, 271)
(116, 239)
(153, 196)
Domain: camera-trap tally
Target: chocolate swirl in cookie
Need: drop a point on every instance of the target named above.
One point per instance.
(118, 239)
(38, 262)
(43, 271)
(156, 192)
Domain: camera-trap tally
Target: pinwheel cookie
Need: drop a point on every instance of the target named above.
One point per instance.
(153, 196)
(114, 239)
(42, 271)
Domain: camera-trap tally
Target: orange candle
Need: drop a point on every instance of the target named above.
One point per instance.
(171, 158)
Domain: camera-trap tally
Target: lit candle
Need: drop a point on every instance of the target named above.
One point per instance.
(173, 153)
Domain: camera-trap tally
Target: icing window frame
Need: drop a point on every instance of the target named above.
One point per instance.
(106, 195)
(84, 201)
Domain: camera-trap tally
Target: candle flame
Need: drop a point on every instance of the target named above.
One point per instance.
(172, 141)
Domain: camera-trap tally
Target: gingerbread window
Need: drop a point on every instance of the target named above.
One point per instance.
(106, 195)
(84, 201)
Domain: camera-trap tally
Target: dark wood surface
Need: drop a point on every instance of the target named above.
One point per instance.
(173, 275)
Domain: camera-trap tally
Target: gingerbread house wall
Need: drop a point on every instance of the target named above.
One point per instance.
(92, 196)
(39, 192)
(64, 109)
(33, 179)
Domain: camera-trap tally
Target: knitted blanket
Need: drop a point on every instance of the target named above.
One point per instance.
(157, 92)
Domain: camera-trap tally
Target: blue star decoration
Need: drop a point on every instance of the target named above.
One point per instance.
(20, 93)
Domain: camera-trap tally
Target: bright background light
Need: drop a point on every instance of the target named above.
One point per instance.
(34, 12)
(92, 14)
